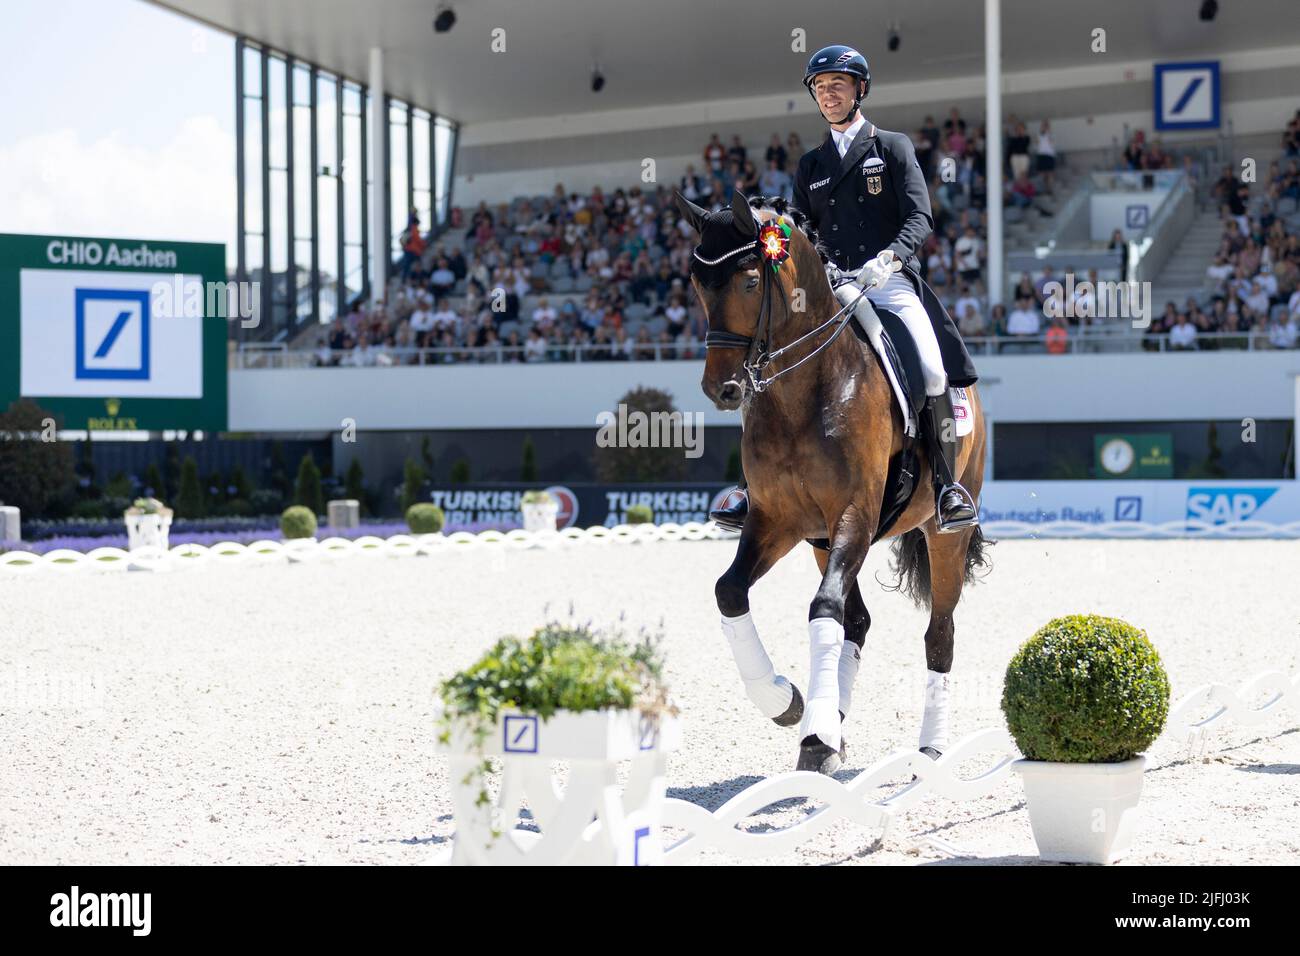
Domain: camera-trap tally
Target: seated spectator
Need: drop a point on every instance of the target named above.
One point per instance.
(644, 350)
(970, 320)
(775, 181)
(1284, 332)
(1024, 318)
(998, 320)
(936, 267)
(715, 154)
(1058, 339)
(544, 316)
(776, 154)
(534, 346)
(1025, 288)
(965, 298)
(1183, 334)
(968, 252)
(421, 322)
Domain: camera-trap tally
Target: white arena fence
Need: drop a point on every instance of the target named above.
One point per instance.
(1189, 725)
(404, 545)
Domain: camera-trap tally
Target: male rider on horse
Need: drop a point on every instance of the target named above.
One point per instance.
(865, 193)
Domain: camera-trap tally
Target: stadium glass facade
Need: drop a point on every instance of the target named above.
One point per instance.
(303, 183)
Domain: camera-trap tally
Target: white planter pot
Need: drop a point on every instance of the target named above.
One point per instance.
(144, 531)
(590, 820)
(1082, 812)
(540, 516)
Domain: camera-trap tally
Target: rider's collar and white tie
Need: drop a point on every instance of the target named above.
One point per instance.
(843, 140)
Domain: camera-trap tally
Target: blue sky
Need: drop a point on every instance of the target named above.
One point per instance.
(118, 120)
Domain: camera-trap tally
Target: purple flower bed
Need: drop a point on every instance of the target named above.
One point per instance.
(246, 536)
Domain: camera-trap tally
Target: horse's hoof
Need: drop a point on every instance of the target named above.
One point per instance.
(931, 753)
(818, 757)
(794, 713)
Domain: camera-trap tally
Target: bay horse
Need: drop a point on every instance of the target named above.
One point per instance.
(815, 451)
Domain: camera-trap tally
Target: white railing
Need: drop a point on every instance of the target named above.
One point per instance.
(303, 550)
(1111, 337)
(1185, 727)
(111, 559)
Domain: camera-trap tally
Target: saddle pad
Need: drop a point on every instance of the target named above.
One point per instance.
(961, 411)
(888, 336)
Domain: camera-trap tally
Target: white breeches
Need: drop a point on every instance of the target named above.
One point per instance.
(898, 296)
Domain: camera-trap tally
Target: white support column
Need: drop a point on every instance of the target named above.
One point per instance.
(378, 162)
(993, 142)
(1296, 433)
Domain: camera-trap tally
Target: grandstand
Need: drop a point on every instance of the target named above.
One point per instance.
(471, 241)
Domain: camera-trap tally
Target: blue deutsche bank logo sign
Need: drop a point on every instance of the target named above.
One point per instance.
(1187, 95)
(1128, 508)
(112, 339)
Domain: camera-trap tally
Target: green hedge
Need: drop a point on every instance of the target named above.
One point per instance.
(425, 518)
(640, 514)
(298, 522)
(1085, 689)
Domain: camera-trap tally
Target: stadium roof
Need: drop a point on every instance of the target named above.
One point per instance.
(655, 52)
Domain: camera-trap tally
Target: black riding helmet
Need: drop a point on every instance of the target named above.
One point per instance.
(838, 59)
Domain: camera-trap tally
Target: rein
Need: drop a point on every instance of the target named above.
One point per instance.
(756, 364)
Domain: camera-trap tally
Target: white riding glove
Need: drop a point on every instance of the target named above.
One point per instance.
(876, 272)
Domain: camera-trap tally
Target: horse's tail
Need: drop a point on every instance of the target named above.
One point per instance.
(911, 564)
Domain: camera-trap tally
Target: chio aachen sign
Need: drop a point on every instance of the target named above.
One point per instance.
(114, 334)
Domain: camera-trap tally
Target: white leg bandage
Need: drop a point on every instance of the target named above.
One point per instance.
(934, 724)
(898, 296)
(771, 694)
(821, 715)
(850, 658)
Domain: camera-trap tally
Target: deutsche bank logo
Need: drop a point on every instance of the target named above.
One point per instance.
(1128, 508)
(112, 337)
(1187, 95)
(1137, 217)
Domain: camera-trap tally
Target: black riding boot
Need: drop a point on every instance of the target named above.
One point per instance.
(954, 507)
(731, 516)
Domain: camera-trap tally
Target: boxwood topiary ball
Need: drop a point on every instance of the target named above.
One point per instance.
(1085, 689)
(640, 514)
(298, 522)
(425, 518)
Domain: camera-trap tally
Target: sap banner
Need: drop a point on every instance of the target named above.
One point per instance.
(1149, 502)
(101, 340)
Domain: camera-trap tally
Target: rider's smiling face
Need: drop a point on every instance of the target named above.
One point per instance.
(835, 93)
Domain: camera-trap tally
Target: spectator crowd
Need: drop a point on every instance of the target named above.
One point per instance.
(604, 276)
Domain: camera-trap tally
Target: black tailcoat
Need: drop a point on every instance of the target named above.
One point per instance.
(876, 198)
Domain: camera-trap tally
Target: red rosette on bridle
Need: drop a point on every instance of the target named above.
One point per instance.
(774, 243)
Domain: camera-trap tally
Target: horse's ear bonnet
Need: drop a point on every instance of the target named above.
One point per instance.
(728, 240)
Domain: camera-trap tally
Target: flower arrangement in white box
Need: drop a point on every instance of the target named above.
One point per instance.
(148, 524)
(539, 510)
(566, 694)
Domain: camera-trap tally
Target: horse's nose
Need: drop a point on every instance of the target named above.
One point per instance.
(730, 393)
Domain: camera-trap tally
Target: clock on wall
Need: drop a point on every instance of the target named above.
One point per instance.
(1117, 456)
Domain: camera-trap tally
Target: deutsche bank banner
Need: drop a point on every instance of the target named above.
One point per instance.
(1150, 502)
(100, 338)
